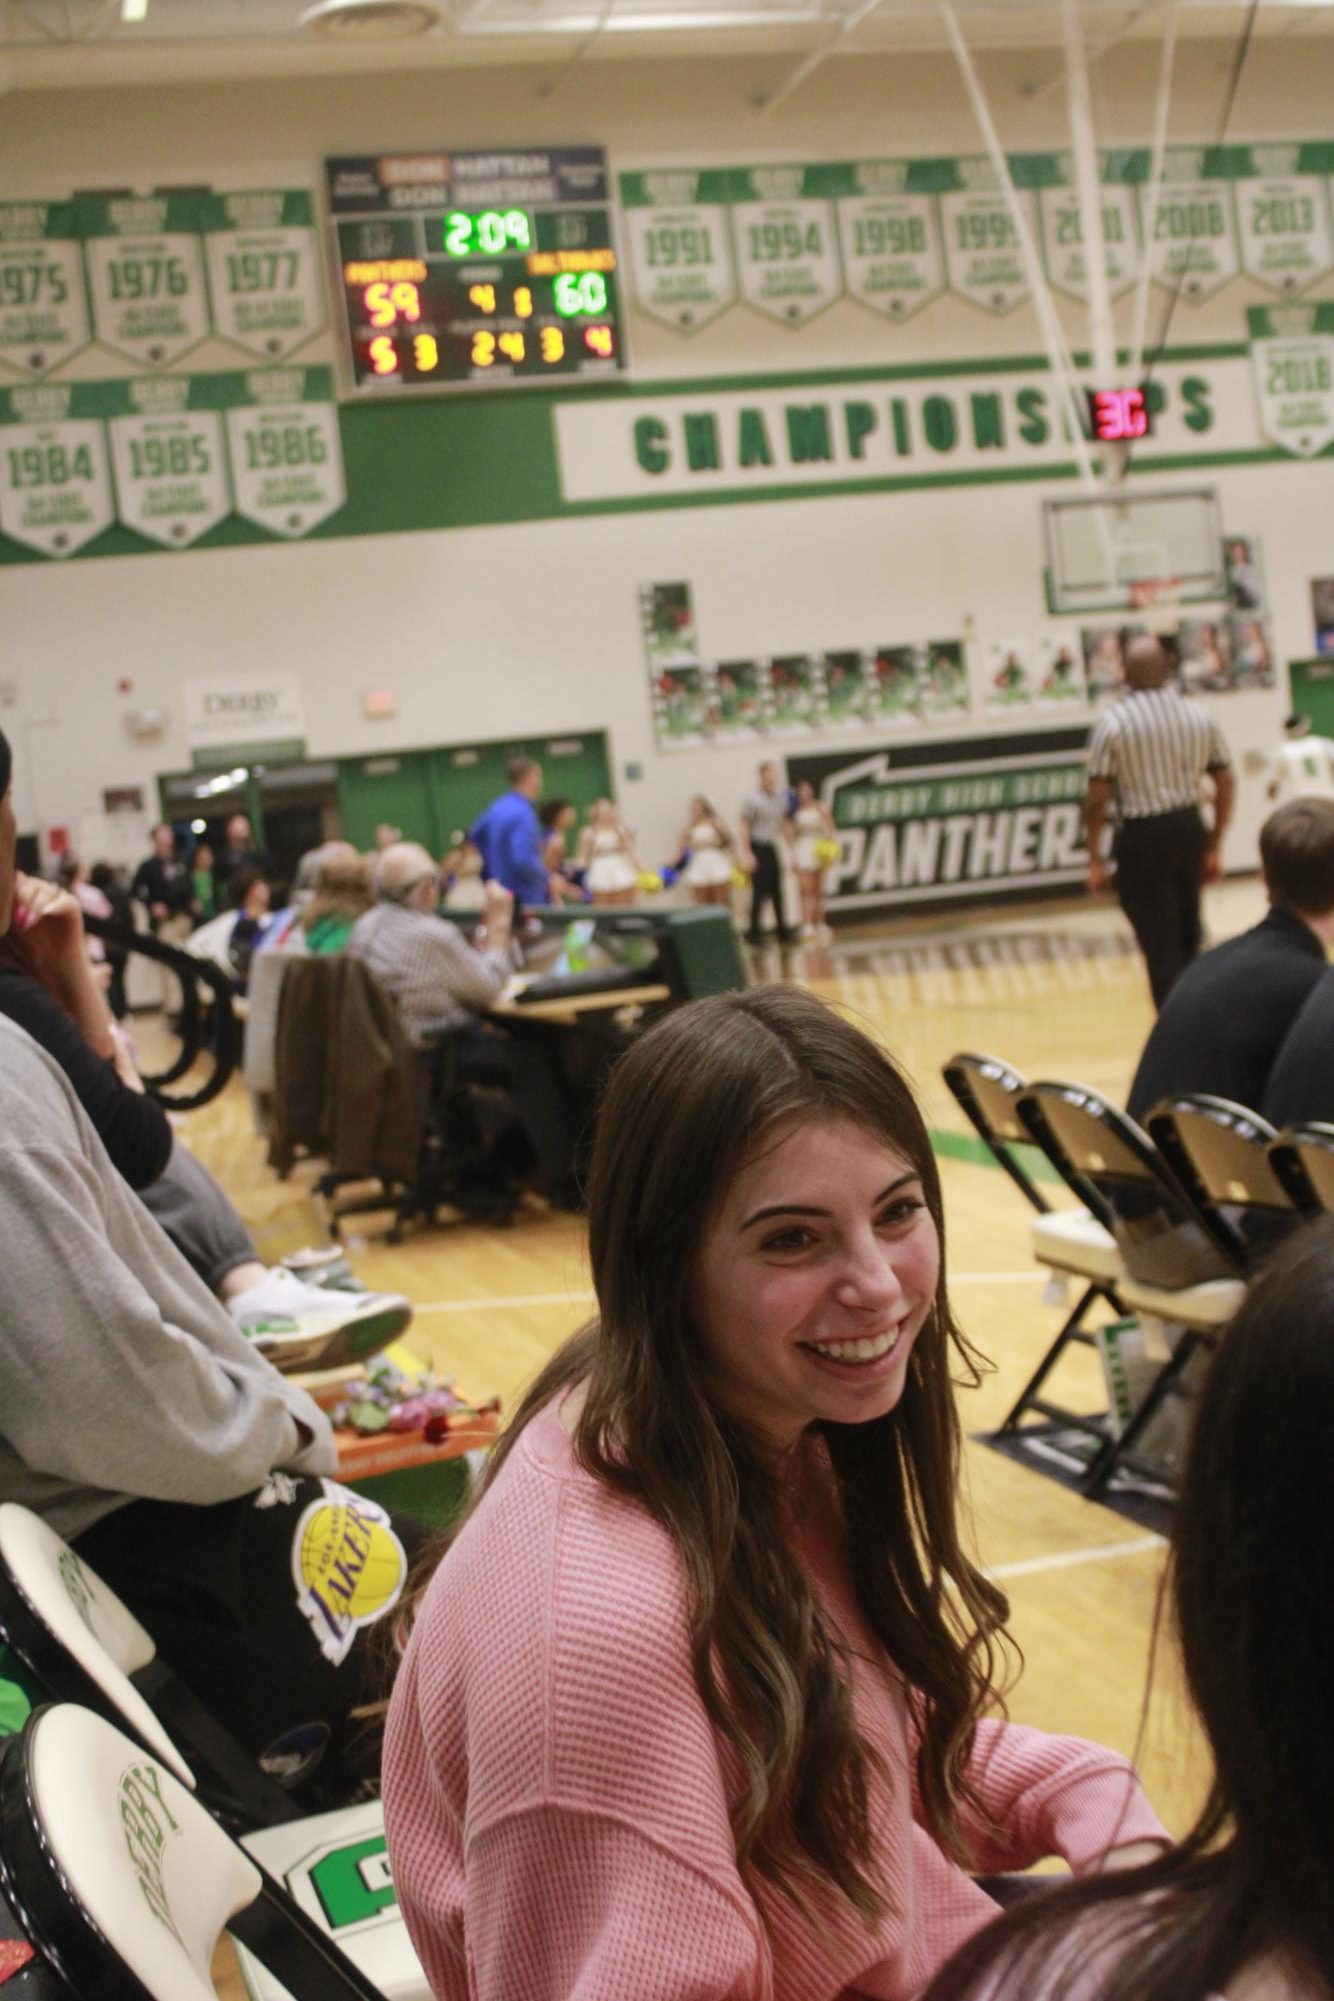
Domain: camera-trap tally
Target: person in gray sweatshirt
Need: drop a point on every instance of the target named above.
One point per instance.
(138, 1420)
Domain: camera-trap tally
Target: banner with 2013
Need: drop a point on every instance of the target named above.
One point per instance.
(895, 234)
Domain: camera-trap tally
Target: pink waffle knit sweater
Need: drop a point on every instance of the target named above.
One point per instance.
(556, 1799)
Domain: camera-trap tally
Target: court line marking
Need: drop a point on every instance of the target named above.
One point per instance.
(491, 1304)
(1070, 1559)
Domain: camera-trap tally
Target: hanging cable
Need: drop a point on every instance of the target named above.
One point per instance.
(1229, 100)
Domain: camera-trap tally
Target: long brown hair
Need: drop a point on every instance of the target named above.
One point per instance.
(1252, 1585)
(686, 1105)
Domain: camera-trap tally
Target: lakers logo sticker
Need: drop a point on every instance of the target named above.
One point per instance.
(348, 1566)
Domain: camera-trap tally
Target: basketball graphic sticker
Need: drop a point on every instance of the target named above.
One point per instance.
(348, 1566)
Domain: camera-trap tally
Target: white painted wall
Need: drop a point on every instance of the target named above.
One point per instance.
(439, 616)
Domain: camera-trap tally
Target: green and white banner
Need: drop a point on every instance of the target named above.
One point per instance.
(1284, 199)
(43, 305)
(263, 269)
(680, 231)
(169, 454)
(903, 231)
(55, 476)
(286, 449)
(982, 254)
(786, 243)
(146, 274)
(1292, 351)
(893, 260)
(1191, 234)
(1063, 228)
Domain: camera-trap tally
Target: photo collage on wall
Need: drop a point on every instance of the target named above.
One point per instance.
(1218, 651)
(698, 701)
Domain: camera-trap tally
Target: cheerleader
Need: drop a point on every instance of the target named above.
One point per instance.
(813, 825)
(708, 873)
(607, 856)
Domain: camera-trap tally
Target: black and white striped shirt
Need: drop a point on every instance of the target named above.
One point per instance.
(1155, 745)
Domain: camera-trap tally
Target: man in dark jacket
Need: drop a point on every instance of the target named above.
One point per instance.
(1226, 1018)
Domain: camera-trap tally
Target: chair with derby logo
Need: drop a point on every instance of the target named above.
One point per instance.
(327, 1872)
(122, 1884)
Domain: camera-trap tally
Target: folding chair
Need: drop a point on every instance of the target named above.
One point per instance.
(1070, 1242)
(1218, 1152)
(1302, 1158)
(81, 1644)
(124, 1884)
(1172, 1269)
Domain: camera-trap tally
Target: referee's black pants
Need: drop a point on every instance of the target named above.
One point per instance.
(1159, 876)
(766, 888)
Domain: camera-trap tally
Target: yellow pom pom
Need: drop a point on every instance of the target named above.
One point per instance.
(650, 882)
(739, 878)
(827, 851)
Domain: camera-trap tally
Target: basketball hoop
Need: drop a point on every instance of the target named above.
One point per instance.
(1146, 592)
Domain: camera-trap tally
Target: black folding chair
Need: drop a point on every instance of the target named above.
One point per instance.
(987, 1089)
(1218, 1152)
(123, 1883)
(1070, 1242)
(1173, 1269)
(1302, 1158)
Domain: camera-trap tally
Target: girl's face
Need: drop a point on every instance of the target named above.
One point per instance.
(814, 1279)
(805, 793)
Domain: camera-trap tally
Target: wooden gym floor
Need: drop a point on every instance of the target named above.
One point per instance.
(1060, 992)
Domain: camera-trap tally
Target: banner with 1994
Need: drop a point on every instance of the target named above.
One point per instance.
(935, 822)
(169, 457)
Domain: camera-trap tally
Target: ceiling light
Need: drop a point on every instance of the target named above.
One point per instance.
(371, 20)
(133, 10)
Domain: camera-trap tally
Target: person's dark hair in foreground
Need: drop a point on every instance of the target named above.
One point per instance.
(1244, 1906)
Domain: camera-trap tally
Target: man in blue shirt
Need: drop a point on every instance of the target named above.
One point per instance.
(509, 837)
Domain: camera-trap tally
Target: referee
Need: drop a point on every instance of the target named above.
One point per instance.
(1148, 754)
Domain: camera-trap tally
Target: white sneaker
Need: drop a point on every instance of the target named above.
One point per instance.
(301, 1326)
(326, 1268)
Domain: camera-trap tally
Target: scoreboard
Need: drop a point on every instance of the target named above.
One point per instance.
(476, 270)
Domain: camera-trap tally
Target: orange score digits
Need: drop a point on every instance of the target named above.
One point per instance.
(384, 303)
(425, 354)
(484, 298)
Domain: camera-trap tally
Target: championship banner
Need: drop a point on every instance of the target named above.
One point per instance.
(169, 454)
(1292, 352)
(263, 269)
(55, 478)
(43, 305)
(1191, 236)
(932, 822)
(680, 237)
(286, 449)
(893, 258)
(982, 254)
(786, 242)
(1063, 226)
(1284, 197)
(146, 274)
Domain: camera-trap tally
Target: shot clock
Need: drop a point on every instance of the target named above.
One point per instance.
(1118, 416)
(476, 270)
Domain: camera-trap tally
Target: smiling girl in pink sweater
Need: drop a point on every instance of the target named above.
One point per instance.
(694, 1707)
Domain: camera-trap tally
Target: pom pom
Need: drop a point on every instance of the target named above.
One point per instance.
(649, 882)
(827, 851)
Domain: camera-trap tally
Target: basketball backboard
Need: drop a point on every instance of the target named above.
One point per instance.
(1122, 551)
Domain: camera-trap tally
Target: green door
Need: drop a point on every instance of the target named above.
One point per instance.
(396, 788)
(434, 794)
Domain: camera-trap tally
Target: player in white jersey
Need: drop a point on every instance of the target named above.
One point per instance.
(1302, 767)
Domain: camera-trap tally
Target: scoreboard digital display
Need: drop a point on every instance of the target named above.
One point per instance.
(476, 270)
